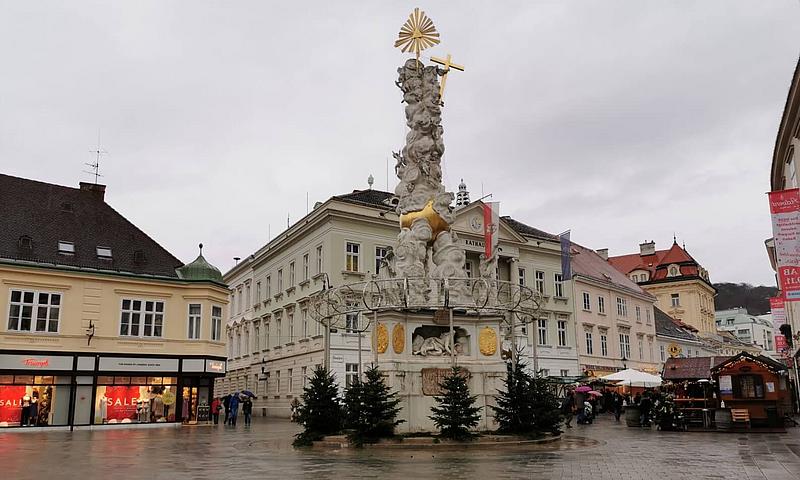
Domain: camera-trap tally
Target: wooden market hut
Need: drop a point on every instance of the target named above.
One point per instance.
(690, 381)
(757, 384)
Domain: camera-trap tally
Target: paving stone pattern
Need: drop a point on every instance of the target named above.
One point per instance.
(604, 450)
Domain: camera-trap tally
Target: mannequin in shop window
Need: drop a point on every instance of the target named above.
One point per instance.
(104, 408)
(26, 410)
(156, 405)
(34, 409)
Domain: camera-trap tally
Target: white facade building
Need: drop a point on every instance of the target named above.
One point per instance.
(749, 329)
(274, 342)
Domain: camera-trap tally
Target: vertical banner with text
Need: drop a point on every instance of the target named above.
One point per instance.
(784, 205)
(566, 267)
(491, 225)
(778, 309)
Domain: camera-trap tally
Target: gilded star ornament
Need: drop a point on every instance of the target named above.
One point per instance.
(417, 34)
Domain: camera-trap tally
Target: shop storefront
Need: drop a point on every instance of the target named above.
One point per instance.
(44, 389)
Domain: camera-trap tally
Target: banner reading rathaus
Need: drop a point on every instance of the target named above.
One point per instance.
(784, 205)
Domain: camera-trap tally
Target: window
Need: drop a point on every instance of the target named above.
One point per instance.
(304, 317)
(230, 345)
(521, 276)
(305, 267)
(638, 314)
(675, 298)
(380, 254)
(663, 352)
(277, 381)
(66, 248)
(604, 344)
(647, 314)
(589, 344)
(564, 373)
(319, 259)
(540, 281)
(290, 320)
(673, 271)
(650, 349)
(625, 345)
(248, 302)
(216, 323)
(562, 333)
(622, 307)
(25, 304)
(266, 334)
(601, 305)
(541, 331)
(268, 283)
(256, 337)
(468, 268)
(748, 386)
(290, 379)
(278, 339)
(104, 253)
(258, 293)
(304, 373)
(141, 318)
(194, 321)
(587, 301)
(351, 256)
(351, 374)
(351, 321)
(291, 275)
(558, 285)
(545, 372)
(641, 347)
(635, 278)
(246, 350)
(280, 280)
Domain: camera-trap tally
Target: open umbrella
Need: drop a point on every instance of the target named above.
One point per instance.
(583, 389)
(248, 393)
(594, 392)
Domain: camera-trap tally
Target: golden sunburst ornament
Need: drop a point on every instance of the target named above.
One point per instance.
(417, 34)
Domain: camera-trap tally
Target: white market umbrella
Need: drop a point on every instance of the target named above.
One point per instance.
(634, 378)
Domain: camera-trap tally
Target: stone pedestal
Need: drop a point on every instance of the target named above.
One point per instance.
(415, 376)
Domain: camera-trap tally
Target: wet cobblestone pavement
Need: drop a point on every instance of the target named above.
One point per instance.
(604, 450)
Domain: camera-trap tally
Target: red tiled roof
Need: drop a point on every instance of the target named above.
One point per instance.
(691, 368)
(657, 263)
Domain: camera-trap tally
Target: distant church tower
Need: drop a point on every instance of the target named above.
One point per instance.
(462, 197)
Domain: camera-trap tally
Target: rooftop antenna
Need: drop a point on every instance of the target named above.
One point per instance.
(96, 165)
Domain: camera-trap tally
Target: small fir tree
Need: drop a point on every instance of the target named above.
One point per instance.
(545, 405)
(456, 412)
(371, 409)
(514, 411)
(321, 411)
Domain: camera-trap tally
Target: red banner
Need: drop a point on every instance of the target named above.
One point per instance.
(784, 205)
(121, 402)
(11, 403)
(777, 308)
(491, 225)
(780, 343)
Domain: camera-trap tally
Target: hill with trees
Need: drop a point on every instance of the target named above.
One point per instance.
(754, 299)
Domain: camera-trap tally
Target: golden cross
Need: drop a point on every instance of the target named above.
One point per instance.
(448, 64)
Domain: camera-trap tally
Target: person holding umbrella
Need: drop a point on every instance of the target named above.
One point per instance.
(247, 406)
(234, 409)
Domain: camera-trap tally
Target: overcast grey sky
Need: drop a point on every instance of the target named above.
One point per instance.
(621, 120)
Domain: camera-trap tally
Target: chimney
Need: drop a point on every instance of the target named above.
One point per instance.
(647, 248)
(603, 252)
(99, 191)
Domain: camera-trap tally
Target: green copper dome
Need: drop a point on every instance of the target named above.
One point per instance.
(200, 270)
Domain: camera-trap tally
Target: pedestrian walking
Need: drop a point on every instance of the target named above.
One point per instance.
(234, 409)
(644, 409)
(247, 411)
(567, 406)
(216, 406)
(226, 404)
(617, 402)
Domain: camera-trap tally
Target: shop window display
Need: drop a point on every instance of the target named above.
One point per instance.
(135, 399)
(34, 401)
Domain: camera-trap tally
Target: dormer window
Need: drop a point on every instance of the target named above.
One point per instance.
(66, 248)
(104, 252)
(25, 243)
(674, 271)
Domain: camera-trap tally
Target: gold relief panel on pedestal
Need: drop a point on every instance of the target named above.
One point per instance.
(382, 335)
(398, 338)
(487, 341)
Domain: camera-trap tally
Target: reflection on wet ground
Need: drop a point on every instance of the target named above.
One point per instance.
(603, 450)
